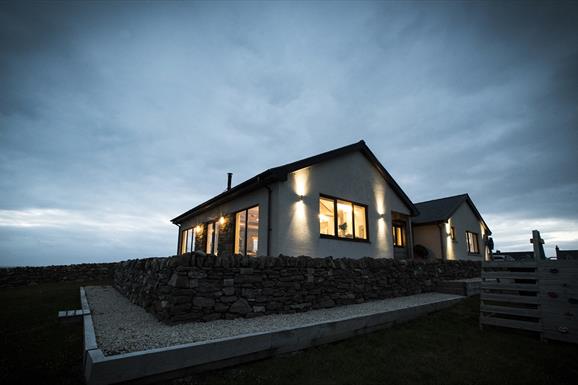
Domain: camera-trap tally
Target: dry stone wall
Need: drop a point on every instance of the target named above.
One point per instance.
(31, 275)
(199, 287)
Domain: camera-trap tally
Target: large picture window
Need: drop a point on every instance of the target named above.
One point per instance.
(247, 231)
(398, 234)
(472, 242)
(342, 219)
(213, 238)
(187, 240)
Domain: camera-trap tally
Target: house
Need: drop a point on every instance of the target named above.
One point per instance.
(341, 203)
(452, 228)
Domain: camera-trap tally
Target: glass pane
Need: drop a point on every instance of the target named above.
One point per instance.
(240, 232)
(360, 230)
(216, 226)
(183, 242)
(209, 238)
(344, 219)
(191, 240)
(326, 216)
(252, 231)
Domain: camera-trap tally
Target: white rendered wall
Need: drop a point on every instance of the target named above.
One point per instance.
(350, 177)
(464, 220)
(429, 237)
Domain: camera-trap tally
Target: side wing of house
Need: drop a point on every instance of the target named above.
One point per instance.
(238, 226)
(467, 240)
(342, 207)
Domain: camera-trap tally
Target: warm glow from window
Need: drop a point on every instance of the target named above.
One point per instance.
(360, 222)
(350, 219)
(247, 231)
(187, 241)
(326, 216)
(398, 234)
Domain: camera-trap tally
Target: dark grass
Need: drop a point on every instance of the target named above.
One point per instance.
(446, 347)
(34, 347)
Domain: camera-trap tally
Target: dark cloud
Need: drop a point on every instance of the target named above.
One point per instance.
(118, 112)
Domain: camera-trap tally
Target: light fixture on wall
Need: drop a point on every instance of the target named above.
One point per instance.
(300, 197)
(222, 220)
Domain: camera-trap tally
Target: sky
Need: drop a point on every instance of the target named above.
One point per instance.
(116, 117)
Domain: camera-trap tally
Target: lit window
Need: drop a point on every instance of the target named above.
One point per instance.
(472, 242)
(213, 238)
(350, 221)
(398, 234)
(188, 240)
(247, 231)
(326, 216)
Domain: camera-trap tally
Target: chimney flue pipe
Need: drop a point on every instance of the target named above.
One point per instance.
(229, 179)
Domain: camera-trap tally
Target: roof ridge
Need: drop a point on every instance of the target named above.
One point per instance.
(439, 199)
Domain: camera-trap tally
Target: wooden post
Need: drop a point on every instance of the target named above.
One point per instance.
(538, 248)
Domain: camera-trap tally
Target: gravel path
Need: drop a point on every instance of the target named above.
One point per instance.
(122, 327)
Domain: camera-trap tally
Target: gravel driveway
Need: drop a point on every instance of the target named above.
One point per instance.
(122, 327)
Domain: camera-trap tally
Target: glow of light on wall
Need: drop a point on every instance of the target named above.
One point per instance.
(382, 231)
(222, 220)
(199, 229)
(301, 182)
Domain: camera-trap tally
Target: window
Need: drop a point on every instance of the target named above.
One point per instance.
(342, 219)
(326, 216)
(398, 234)
(247, 231)
(453, 233)
(213, 238)
(188, 240)
(472, 242)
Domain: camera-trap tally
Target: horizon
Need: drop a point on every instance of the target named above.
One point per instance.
(117, 117)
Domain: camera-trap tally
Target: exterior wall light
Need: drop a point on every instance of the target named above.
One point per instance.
(300, 197)
(222, 220)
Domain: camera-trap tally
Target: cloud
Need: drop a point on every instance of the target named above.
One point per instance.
(116, 115)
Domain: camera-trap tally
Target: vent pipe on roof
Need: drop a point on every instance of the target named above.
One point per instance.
(229, 179)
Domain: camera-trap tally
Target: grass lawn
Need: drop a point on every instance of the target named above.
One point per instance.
(443, 348)
(34, 347)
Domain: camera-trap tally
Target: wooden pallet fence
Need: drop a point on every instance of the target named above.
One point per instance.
(509, 295)
(559, 299)
(539, 296)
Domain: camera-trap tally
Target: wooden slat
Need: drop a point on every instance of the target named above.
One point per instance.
(522, 265)
(509, 323)
(509, 274)
(509, 286)
(510, 310)
(509, 298)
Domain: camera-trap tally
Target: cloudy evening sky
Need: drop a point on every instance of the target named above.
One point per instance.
(116, 117)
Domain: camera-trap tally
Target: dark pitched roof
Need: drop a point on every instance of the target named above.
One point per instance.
(280, 174)
(440, 210)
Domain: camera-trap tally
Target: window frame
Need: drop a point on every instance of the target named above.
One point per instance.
(477, 243)
(402, 225)
(246, 228)
(335, 220)
(185, 239)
